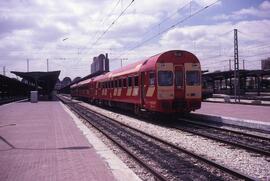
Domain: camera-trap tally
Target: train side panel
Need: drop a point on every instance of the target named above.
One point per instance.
(169, 82)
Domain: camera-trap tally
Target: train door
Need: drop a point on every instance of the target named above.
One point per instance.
(179, 88)
(165, 84)
(193, 88)
(142, 88)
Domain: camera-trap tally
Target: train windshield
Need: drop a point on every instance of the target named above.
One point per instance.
(165, 78)
(193, 78)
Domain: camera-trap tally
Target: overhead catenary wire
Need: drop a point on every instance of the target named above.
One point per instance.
(166, 19)
(109, 27)
(251, 37)
(103, 20)
(110, 13)
(171, 27)
(254, 55)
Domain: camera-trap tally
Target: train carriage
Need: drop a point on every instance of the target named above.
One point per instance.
(169, 82)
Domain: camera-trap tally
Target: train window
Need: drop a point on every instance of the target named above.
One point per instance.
(129, 81)
(178, 78)
(120, 82)
(152, 78)
(124, 82)
(193, 77)
(165, 78)
(136, 81)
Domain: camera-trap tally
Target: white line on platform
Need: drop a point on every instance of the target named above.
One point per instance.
(118, 168)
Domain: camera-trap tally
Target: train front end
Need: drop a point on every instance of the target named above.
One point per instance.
(178, 82)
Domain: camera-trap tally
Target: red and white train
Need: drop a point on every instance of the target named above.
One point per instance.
(169, 82)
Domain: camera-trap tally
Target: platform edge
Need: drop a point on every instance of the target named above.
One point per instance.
(254, 124)
(120, 171)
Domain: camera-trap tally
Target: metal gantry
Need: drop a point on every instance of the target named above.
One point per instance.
(236, 68)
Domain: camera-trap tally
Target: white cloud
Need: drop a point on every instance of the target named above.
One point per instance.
(265, 5)
(262, 11)
(35, 29)
(213, 44)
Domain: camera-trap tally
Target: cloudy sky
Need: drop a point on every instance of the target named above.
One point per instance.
(69, 33)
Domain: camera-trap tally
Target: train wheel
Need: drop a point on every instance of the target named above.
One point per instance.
(137, 110)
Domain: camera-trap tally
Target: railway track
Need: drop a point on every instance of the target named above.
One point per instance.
(6, 101)
(164, 160)
(250, 142)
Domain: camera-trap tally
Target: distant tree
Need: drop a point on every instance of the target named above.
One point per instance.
(65, 81)
(76, 79)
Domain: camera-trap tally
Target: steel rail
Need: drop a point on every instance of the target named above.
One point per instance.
(222, 167)
(140, 161)
(225, 129)
(247, 147)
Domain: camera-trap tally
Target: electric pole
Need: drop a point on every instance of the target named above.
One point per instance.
(230, 67)
(243, 64)
(236, 68)
(27, 65)
(4, 70)
(47, 65)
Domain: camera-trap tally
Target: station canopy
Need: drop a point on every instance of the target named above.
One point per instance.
(45, 80)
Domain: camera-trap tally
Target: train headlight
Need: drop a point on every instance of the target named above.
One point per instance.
(178, 54)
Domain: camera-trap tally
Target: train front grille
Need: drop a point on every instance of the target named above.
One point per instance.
(179, 104)
(166, 105)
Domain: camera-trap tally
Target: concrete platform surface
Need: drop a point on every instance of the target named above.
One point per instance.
(41, 142)
(249, 112)
(250, 116)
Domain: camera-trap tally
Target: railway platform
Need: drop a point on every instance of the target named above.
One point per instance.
(251, 116)
(42, 141)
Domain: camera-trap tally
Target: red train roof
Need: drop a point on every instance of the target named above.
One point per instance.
(146, 64)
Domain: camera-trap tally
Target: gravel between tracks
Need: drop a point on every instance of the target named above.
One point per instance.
(246, 162)
(140, 171)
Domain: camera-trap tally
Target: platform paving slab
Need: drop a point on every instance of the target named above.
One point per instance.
(250, 116)
(40, 141)
(119, 169)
